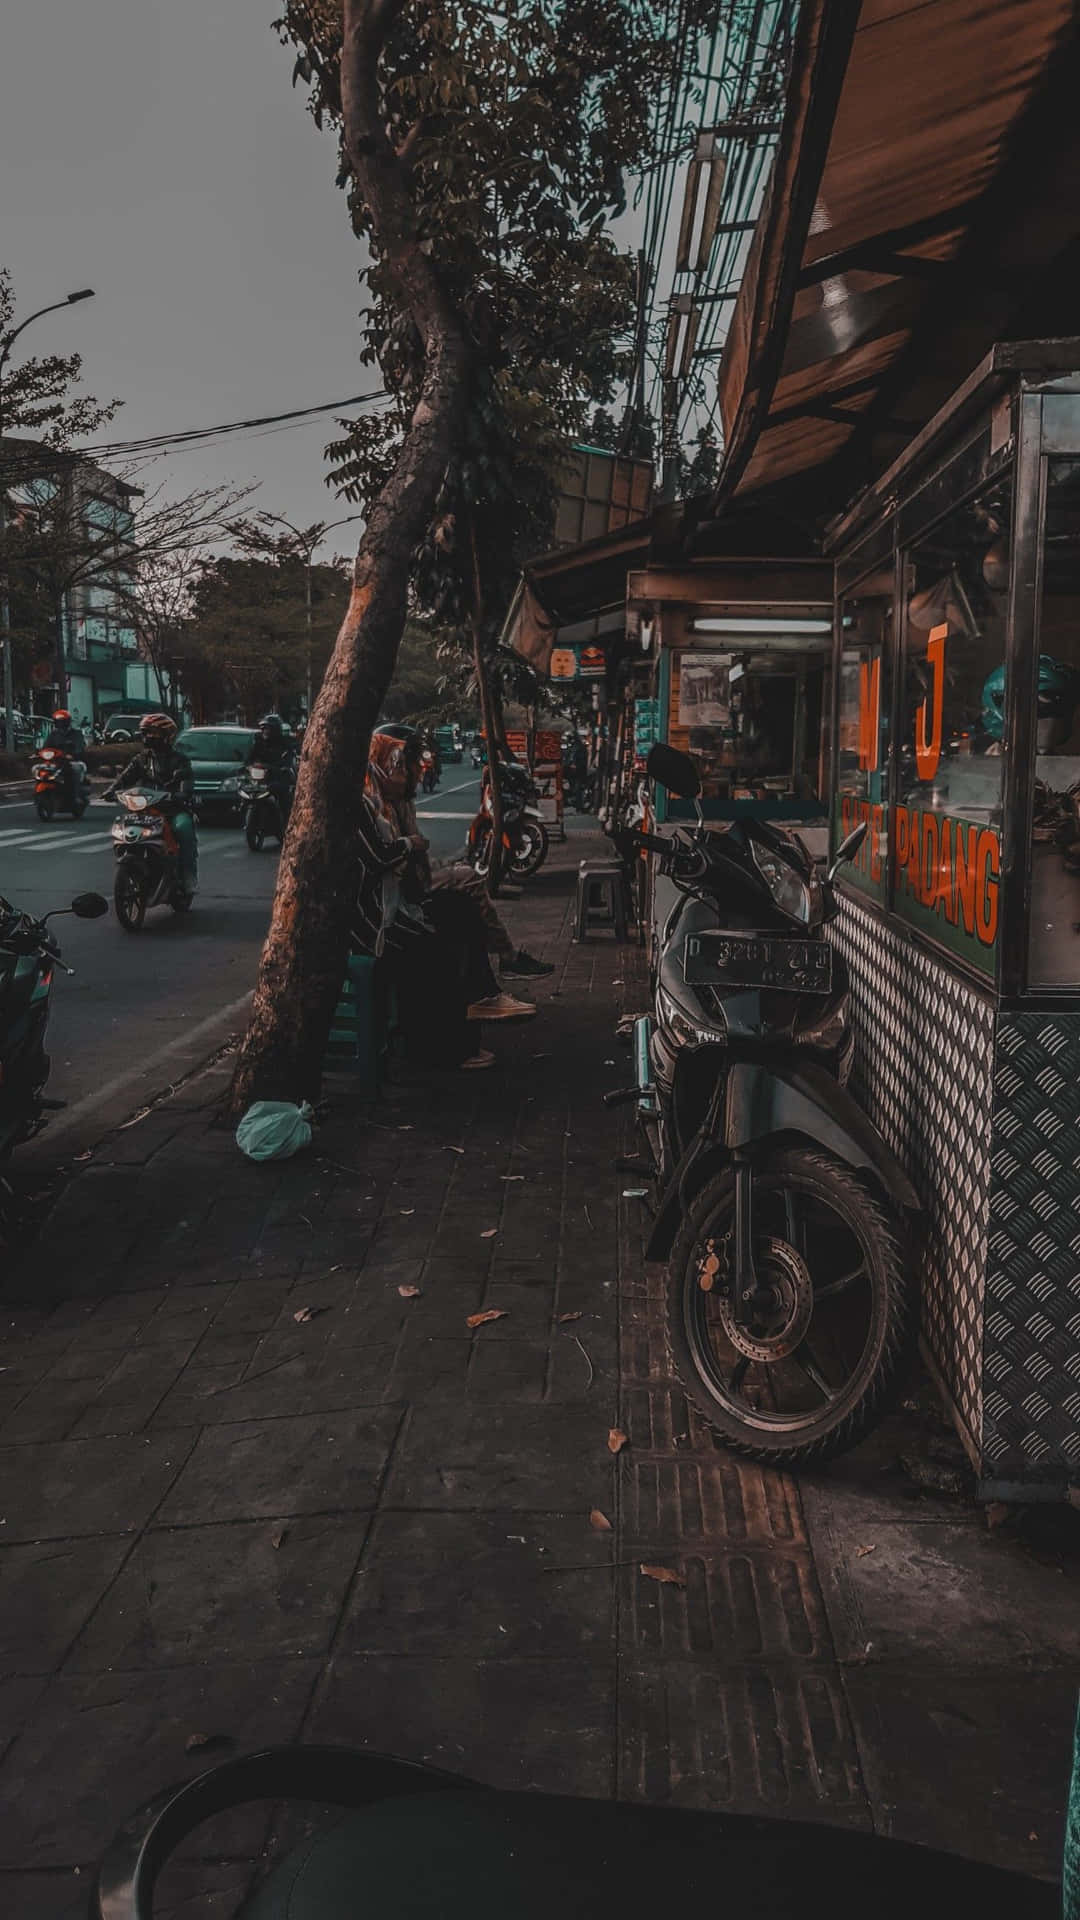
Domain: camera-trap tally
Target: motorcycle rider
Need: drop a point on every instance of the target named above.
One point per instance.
(273, 750)
(161, 766)
(66, 738)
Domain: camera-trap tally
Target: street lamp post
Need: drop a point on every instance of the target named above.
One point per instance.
(307, 539)
(70, 300)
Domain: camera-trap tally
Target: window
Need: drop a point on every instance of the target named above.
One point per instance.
(862, 739)
(1054, 946)
(946, 829)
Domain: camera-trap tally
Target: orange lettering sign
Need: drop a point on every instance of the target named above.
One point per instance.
(928, 751)
(869, 713)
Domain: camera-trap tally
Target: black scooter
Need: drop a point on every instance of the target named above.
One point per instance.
(29, 955)
(786, 1222)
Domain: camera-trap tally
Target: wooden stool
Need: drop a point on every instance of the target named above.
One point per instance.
(601, 899)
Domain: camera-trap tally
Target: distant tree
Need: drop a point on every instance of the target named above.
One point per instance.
(245, 637)
(482, 153)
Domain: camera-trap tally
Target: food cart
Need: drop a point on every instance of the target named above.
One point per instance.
(956, 736)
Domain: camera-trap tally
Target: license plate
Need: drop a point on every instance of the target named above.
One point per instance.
(737, 960)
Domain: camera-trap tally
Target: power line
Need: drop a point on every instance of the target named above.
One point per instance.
(192, 436)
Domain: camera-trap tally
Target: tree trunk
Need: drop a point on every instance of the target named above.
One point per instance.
(303, 961)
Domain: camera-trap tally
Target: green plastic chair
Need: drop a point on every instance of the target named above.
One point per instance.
(417, 1844)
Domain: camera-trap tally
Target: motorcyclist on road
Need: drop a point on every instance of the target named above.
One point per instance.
(65, 738)
(272, 749)
(161, 766)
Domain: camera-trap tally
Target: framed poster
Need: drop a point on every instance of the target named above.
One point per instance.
(704, 690)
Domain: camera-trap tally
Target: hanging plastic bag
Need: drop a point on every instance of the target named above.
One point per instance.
(274, 1130)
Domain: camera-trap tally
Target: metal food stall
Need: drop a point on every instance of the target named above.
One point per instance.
(956, 736)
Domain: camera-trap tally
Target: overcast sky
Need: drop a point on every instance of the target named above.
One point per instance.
(158, 153)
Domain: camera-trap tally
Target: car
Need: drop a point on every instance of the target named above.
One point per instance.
(24, 730)
(217, 756)
(124, 726)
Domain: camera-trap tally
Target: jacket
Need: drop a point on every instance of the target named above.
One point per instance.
(168, 770)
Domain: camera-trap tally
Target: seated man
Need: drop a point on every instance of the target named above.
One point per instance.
(274, 751)
(65, 738)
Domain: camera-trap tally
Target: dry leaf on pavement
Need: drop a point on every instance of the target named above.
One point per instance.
(489, 1233)
(481, 1319)
(617, 1440)
(305, 1313)
(666, 1576)
(279, 1534)
(409, 1293)
(600, 1521)
(565, 1317)
(861, 1552)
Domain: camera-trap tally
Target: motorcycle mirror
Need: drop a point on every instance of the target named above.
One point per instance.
(674, 770)
(89, 906)
(849, 848)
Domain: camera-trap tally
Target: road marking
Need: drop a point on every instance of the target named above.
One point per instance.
(445, 816)
(460, 788)
(67, 842)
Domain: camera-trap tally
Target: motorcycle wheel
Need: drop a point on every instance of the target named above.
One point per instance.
(253, 832)
(480, 854)
(46, 806)
(809, 1380)
(129, 900)
(181, 902)
(533, 851)
(80, 808)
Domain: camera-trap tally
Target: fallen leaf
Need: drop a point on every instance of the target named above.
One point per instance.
(617, 1440)
(600, 1521)
(666, 1576)
(409, 1293)
(511, 1176)
(453, 1149)
(195, 1741)
(489, 1233)
(405, 1211)
(1033, 1835)
(861, 1552)
(481, 1319)
(279, 1534)
(997, 1513)
(88, 1155)
(307, 1313)
(408, 1128)
(565, 1317)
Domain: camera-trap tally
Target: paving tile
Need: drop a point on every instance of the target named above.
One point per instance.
(66, 1488)
(954, 1762)
(135, 1727)
(300, 1384)
(735, 1606)
(485, 1719)
(283, 1600)
(45, 1896)
(309, 1463)
(924, 1593)
(544, 1459)
(489, 1584)
(748, 1740)
(712, 1497)
(46, 1411)
(47, 1593)
(430, 1370)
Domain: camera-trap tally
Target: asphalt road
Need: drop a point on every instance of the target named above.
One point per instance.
(133, 995)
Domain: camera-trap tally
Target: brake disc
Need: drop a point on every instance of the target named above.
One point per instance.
(777, 1334)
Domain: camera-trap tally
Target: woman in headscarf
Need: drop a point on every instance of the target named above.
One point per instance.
(456, 915)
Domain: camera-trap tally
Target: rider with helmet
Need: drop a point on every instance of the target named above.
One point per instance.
(272, 749)
(1059, 689)
(160, 765)
(66, 738)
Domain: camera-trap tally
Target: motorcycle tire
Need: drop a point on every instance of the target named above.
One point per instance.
(46, 806)
(129, 900)
(533, 850)
(254, 834)
(80, 808)
(480, 854)
(181, 902)
(741, 1396)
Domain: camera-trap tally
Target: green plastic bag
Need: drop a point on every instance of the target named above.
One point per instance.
(274, 1130)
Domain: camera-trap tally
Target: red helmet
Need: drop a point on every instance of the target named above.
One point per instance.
(159, 729)
(62, 717)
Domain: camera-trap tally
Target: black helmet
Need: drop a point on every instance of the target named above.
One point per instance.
(273, 725)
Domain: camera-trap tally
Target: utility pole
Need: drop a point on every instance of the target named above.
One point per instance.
(306, 539)
(70, 300)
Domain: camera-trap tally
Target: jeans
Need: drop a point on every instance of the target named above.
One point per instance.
(183, 825)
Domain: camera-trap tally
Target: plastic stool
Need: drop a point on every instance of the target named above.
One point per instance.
(601, 899)
(353, 1046)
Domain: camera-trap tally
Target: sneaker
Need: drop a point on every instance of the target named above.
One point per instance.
(501, 1006)
(525, 965)
(478, 1061)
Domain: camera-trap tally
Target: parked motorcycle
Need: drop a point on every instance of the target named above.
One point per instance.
(60, 784)
(263, 812)
(29, 954)
(786, 1222)
(147, 857)
(525, 837)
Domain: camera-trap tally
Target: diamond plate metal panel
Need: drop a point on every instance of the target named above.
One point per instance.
(1031, 1338)
(923, 1071)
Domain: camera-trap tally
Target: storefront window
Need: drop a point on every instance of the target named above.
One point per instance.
(750, 714)
(862, 744)
(1054, 955)
(946, 828)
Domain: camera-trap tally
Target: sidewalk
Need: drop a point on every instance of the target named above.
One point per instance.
(224, 1525)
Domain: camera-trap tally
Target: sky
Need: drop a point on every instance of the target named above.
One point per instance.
(158, 153)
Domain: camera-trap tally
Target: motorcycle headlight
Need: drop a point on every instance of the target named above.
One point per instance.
(788, 888)
(685, 1029)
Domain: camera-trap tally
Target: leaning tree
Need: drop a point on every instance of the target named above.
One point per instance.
(483, 151)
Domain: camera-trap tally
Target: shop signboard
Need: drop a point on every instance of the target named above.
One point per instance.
(578, 663)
